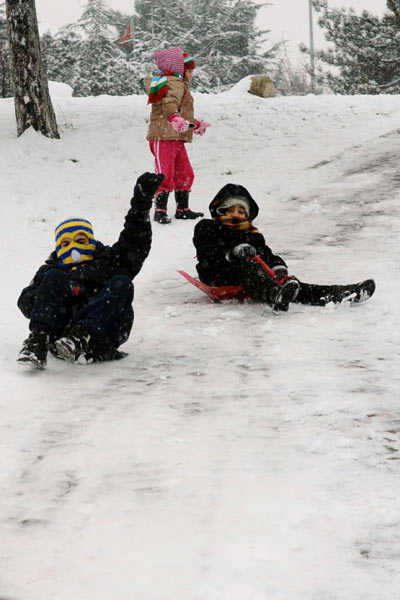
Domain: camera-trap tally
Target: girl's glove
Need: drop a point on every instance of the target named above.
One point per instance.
(179, 124)
(200, 127)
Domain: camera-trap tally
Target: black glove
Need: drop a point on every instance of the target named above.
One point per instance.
(148, 183)
(280, 271)
(241, 251)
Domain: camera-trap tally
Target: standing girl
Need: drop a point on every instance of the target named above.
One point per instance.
(172, 124)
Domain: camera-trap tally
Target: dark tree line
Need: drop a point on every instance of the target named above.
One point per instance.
(220, 34)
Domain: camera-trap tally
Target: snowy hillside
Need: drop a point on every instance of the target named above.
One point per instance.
(234, 454)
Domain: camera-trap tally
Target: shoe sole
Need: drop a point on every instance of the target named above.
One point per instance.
(30, 361)
(187, 218)
(364, 292)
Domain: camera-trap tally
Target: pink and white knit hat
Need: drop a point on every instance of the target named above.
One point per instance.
(170, 60)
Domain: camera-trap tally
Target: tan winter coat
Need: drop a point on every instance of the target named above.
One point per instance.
(177, 100)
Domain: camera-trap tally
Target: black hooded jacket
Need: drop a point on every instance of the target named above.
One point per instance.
(125, 257)
(213, 241)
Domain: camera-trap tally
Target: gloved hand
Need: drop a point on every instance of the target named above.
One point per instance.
(241, 251)
(144, 190)
(200, 127)
(280, 272)
(179, 124)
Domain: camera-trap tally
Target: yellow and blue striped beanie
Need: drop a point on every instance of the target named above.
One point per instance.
(74, 253)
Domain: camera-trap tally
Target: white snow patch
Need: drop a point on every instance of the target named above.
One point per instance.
(233, 454)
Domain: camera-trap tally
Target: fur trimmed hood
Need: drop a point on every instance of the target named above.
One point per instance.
(230, 190)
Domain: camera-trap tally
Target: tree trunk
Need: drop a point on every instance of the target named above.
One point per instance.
(2, 75)
(32, 101)
(394, 5)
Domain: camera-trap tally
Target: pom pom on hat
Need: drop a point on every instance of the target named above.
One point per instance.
(188, 62)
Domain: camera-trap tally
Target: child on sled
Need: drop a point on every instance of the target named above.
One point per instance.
(79, 303)
(232, 252)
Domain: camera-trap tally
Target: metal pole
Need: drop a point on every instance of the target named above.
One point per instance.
(132, 31)
(312, 54)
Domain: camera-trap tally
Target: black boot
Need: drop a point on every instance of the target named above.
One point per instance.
(102, 349)
(74, 345)
(254, 279)
(320, 295)
(34, 350)
(78, 345)
(182, 206)
(160, 213)
(286, 294)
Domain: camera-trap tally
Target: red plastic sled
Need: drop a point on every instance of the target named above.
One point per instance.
(216, 294)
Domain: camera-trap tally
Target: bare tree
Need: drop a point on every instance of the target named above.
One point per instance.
(394, 5)
(32, 101)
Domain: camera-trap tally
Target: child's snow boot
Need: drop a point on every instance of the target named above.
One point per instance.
(182, 206)
(34, 350)
(286, 293)
(160, 213)
(74, 345)
(102, 349)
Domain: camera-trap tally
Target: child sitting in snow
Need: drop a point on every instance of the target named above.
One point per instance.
(79, 303)
(227, 246)
(172, 124)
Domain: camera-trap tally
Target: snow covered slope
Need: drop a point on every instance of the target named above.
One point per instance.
(234, 455)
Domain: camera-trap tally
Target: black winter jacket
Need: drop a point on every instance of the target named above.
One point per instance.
(125, 257)
(213, 241)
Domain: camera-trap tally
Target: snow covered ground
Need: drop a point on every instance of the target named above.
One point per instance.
(234, 454)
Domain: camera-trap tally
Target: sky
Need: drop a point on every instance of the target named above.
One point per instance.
(287, 19)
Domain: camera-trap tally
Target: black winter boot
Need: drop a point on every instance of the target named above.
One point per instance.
(74, 345)
(160, 213)
(34, 350)
(320, 295)
(182, 206)
(287, 293)
(102, 349)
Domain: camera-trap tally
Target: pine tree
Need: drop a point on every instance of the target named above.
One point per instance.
(103, 66)
(157, 26)
(365, 52)
(233, 52)
(61, 55)
(394, 6)
(95, 18)
(219, 34)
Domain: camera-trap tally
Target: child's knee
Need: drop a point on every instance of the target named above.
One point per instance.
(122, 285)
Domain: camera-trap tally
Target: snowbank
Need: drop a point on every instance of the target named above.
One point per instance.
(233, 454)
(60, 90)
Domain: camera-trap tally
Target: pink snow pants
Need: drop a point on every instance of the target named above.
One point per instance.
(172, 160)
